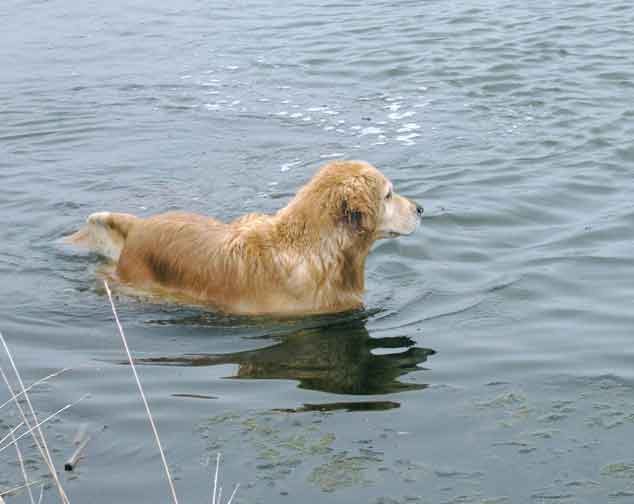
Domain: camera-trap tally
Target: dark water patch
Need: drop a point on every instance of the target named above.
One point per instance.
(345, 406)
(194, 396)
(338, 359)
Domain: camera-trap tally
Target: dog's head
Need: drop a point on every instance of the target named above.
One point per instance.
(355, 196)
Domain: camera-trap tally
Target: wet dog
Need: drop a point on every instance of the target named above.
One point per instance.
(307, 258)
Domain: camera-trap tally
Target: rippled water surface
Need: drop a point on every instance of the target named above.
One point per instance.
(494, 362)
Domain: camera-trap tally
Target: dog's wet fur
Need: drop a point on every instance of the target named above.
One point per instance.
(307, 258)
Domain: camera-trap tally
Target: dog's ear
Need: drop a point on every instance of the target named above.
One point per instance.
(358, 207)
(352, 218)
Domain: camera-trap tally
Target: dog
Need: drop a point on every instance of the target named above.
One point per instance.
(308, 258)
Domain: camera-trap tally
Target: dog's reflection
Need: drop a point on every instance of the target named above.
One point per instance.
(341, 359)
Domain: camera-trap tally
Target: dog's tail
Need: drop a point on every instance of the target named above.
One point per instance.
(104, 233)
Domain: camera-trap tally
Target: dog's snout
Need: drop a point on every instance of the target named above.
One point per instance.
(419, 210)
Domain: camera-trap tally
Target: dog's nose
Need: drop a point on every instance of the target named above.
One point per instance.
(419, 210)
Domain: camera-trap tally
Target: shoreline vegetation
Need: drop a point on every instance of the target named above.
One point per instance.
(31, 425)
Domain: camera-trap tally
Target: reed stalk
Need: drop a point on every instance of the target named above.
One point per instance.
(140, 387)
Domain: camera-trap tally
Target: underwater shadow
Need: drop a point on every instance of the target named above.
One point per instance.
(340, 359)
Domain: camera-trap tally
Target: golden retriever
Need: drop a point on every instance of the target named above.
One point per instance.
(307, 258)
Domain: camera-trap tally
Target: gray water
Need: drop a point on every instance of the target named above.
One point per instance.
(494, 361)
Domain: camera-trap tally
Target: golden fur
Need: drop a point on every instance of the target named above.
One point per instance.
(309, 257)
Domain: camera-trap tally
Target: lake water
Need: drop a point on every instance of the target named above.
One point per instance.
(494, 362)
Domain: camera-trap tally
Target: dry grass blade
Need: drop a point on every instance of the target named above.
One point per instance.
(213, 500)
(38, 425)
(216, 492)
(34, 384)
(41, 442)
(11, 432)
(233, 494)
(16, 489)
(138, 382)
(23, 469)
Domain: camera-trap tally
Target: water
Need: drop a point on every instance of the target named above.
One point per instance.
(493, 363)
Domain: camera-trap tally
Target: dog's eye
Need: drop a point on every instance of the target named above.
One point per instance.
(388, 195)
